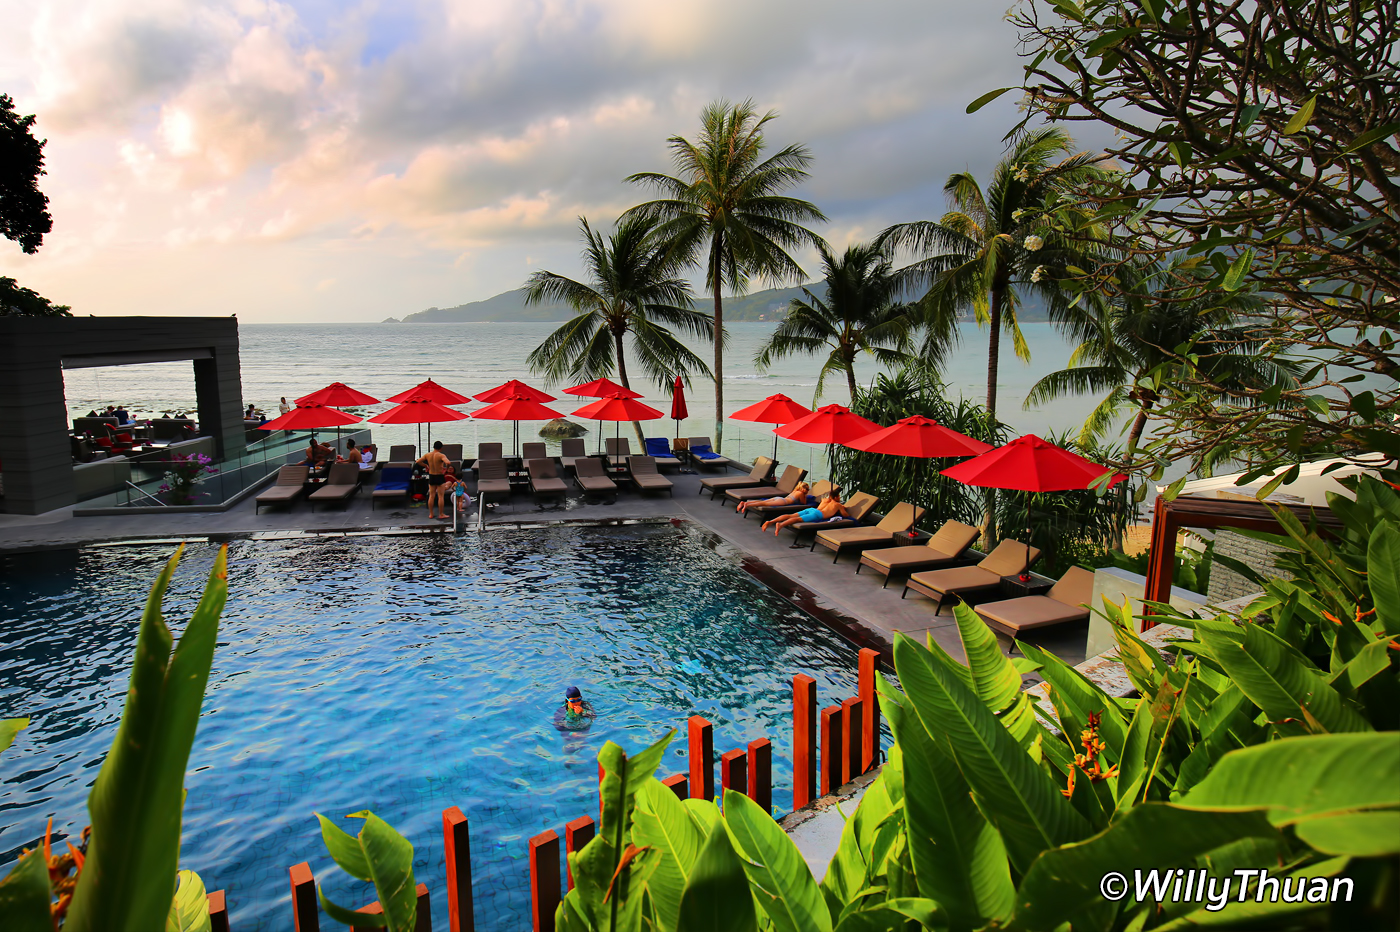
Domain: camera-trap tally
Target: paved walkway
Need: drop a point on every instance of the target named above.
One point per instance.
(809, 579)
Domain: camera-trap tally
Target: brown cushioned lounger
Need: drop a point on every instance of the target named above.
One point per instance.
(772, 511)
(1067, 601)
(761, 474)
(857, 507)
(453, 452)
(944, 549)
(785, 484)
(544, 477)
(588, 473)
(394, 482)
(402, 453)
(487, 451)
(901, 518)
(1009, 558)
(571, 451)
(290, 486)
(341, 485)
(493, 477)
(645, 476)
(534, 451)
(722, 462)
(617, 449)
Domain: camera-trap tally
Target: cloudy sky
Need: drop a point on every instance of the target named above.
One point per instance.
(327, 161)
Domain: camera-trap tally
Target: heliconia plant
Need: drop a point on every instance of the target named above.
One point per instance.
(127, 878)
(380, 855)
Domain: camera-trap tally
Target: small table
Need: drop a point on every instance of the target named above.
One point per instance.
(1014, 586)
(919, 539)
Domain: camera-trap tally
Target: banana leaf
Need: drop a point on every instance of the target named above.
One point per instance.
(717, 895)
(25, 895)
(382, 856)
(778, 875)
(660, 821)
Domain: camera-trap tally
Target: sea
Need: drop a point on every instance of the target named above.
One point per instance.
(292, 360)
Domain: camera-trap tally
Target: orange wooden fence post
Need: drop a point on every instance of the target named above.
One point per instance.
(734, 771)
(702, 758)
(678, 784)
(218, 912)
(852, 720)
(804, 740)
(831, 749)
(761, 773)
(305, 909)
(457, 846)
(544, 879)
(870, 706)
(577, 833)
(422, 919)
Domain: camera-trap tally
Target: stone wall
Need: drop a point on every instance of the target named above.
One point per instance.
(1226, 584)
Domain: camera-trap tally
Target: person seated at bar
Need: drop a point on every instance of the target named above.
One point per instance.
(829, 507)
(798, 496)
(576, 714)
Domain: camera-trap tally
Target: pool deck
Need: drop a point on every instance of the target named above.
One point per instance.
(857, 603)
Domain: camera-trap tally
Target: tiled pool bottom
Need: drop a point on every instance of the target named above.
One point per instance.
(403, 675)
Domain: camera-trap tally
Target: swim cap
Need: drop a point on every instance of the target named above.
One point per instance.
(573, 693)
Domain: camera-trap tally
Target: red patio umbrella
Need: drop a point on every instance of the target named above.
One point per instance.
(516, 408)
(919, 436)
(311, 416)
(618, 408)
(510, 389)
(432, 391)
(775, 409)
(828, 424)
(1030, 464)
(337, 393)
(418, 411)
(602, 388)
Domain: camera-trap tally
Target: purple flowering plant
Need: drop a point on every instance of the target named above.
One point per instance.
(183, 472)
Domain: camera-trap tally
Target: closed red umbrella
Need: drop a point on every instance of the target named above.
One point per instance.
(509, 389)
(418, 411)
(617, 407)
(1030, 464)
(516, 408)
(775, 409)
(337, 393)
(919, 436)
(602, 388)
(679, 412)
(431, 391)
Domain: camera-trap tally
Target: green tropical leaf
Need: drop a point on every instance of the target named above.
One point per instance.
(660, 822)
(1305, 777)
(189, 911)
(1255, 915)
(351, 917)
(1064, 882)
(717, 896)
(853, 866)
(25, 895)
(987, 98)
(1383, 575)
(1237, 271)
(1278, 679)
(344, 849)
(895, 913)
(1302, 117)
(994, 677)
(9, 728)
(1079, 696)
(390, 859)
(1018, 798)
(1356, 834)
(1372, 136)
(778, 875)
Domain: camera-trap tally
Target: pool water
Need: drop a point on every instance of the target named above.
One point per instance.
(402, 675)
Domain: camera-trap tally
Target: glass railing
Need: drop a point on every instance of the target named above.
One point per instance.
(234, 473)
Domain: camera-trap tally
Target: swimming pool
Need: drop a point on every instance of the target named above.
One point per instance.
(403, 675)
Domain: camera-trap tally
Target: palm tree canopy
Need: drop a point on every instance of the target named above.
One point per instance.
(862, 312)
(633, 287)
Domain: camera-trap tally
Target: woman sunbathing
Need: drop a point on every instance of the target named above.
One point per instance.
(830, 507)
(798, 496)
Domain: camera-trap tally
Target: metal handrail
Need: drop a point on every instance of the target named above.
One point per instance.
(141, 491)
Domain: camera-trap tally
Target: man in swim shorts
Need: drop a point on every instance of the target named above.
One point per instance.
(436, 462)
(830, 507)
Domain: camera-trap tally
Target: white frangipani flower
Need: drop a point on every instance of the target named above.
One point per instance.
(1038, 274)
(1033, 243)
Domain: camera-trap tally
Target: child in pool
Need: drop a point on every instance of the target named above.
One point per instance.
(798, 496)
(576, 714)
(829, 507)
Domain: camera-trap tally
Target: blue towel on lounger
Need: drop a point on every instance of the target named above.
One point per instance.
(704, 452)
(657, 447)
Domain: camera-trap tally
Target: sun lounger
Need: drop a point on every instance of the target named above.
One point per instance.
(761, 474)
(402, 453)
(645, 477)
(901, 518)
(588, 473)
(785, 484)
(571, 451)
(453, 452)
(857, 507)
(1009, 558)
(393, 483)
(617, 449)
(772, 511)
(945, 548)
(487, 451)
(492, 478)
(341, 485)
(544, 477)
(1066, 602)
(704, 457)
(290, 486)
(660, 450)
(534, 451)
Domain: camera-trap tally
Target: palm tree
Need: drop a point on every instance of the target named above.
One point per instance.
(861, 314)
(1159, 308)
(634, 289)
(992, 246)
(724, 199)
